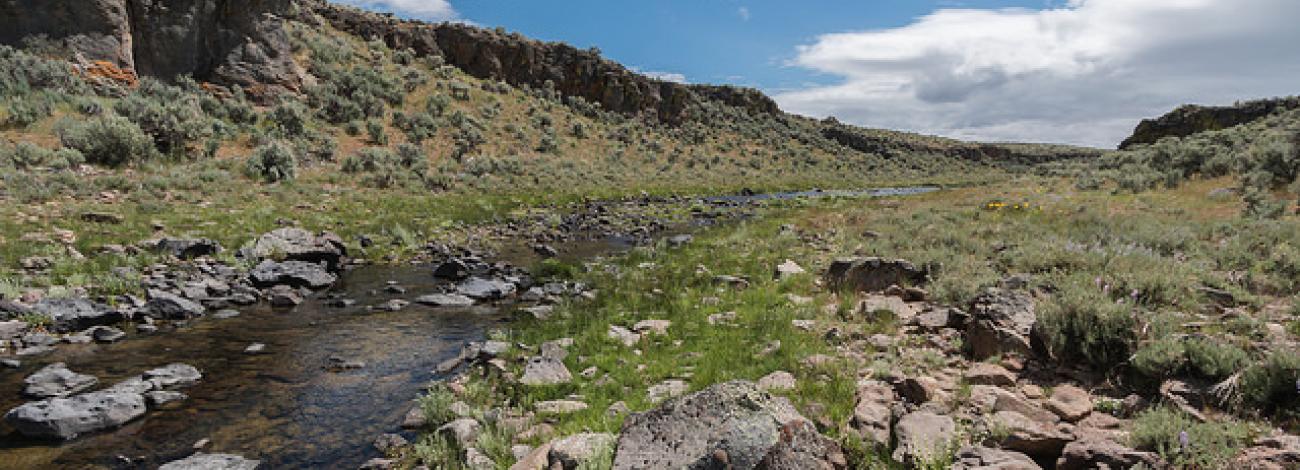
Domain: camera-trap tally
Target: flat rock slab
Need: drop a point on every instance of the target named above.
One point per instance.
(56, 380)
(67, 418)
(211, 462)
(479, 288)
(445, 300)
(167, 306)
(545, 371)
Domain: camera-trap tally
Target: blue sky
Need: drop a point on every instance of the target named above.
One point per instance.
(1069, 71)
(708, 41)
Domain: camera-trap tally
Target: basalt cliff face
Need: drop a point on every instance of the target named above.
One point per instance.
(233, 42)
(245, 42)
(518, 61)
(1192, 119)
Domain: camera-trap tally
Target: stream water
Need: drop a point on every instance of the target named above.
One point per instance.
(283, 406)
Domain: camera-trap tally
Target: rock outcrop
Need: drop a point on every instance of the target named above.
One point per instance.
(223, 41)
(519, 61)
(1191, 119)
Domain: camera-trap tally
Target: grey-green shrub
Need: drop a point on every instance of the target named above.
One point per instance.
(273, 162)
(1209, 445)
(108, 140)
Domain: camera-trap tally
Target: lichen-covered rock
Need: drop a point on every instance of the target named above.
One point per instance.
(295, 244)
(56, 380)
(67, 418)
(1001, 322)
(923, 436)
(575, 450)
(729, 424)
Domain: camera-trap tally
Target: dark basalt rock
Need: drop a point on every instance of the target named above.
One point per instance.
(67, 315)
(222, 41)
(291, 273)
(1191, 119)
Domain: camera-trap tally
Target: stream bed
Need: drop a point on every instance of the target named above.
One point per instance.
(284, 406)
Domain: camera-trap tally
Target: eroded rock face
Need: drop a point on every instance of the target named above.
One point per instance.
(225, 41)
(731, 424)
(1001, 322)
(67, 418)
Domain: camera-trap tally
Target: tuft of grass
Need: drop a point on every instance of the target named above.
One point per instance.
(436, 405)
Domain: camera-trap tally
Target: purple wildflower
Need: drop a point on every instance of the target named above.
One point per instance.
(1183, 440)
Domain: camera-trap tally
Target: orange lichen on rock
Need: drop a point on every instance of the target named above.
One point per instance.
(110, 71)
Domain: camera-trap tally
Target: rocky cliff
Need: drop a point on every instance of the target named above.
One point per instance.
(1192, 119)
(225, 41)
(521, 61)
(895, 144)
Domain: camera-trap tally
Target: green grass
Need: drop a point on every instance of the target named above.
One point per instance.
(1210, 445)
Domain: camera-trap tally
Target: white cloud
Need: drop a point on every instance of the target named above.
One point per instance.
(1081, 73)
(434, 10)
(743, 12)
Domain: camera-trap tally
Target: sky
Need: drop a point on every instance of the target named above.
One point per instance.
(1067, 71)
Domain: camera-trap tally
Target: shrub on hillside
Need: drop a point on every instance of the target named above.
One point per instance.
(290, 118)
(1082, 322)
(1205, 445)
(1274, 384)
(383, 168)
(23, 112)
(172, 116)
(273, 163)
(108, 140)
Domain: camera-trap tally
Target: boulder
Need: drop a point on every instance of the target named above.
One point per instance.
(777, 381)
(983, 373)
(623, 335)
(575, 450)
(463, 431)
(291, 273)
(172, 375)
(665, 390)
(729, 424)
(68, 315)
(872, 274)
(545, 371)
(922, 436)
(67, 418)
(788, 269)
(106, 334)
(872, 415)
(184, 248)
(55, 380)
(479, 288)
(164, 305)
(12, 329)
(1069, 402)
(1038, 439)
(985, 458)
(536, 459)
(295, 244)
(445, 300)
(454, 269)
(203, 461)
(1087, 454)
(801, 447)
(659, 327)
(1001, 322)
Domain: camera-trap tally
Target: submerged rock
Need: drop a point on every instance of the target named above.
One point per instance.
(445, 300)
(211, 462)
(485, 289)
(67, 418)
(56, 380)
